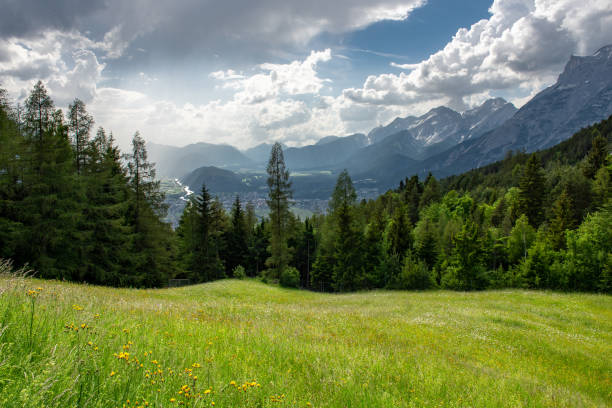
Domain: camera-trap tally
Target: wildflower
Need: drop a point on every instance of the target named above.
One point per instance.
(112, 373)
(172, 399)
(77, 307)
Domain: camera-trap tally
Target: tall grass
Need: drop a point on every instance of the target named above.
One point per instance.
(243, 343)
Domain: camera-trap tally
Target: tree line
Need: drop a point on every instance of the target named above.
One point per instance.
(73, 207)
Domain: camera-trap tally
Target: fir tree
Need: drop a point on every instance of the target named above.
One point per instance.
(279, 193)
(532, 191)
(563, 219)
(597, 156)
(79, 123)
(237, 246)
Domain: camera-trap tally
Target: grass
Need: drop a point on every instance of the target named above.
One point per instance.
(255, 345)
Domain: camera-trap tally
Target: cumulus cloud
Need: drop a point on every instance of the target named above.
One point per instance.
(524, 44)
(64, 61)
(278, 102)
(295, 78)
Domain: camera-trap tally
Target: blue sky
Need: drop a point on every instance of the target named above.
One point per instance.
(244, 72)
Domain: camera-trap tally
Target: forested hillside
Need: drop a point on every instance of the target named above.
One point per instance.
(73, 207)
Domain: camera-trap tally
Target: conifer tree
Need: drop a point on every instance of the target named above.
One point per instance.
(532, 191)
(279, 193)
(80, 123)
(237, 246)
(597, 156)
(151, 246)
(106, 237)
(563, 219)
(431, 192)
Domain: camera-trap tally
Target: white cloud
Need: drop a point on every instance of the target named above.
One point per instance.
(279, 102)
(523, 45)
(295, 78)
(64, 61)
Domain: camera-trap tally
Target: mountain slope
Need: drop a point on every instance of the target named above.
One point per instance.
(443, 124)
(175, 162)
(217, 180)
(581, 96)
(324, 155)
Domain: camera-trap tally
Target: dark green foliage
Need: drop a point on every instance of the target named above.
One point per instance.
(532, 191)
(70, 210)
(563, 220)
(466, 270)
(290, 277)
(304, 254)
(236, 239)
(597, 156)
(279, 193)
(258, 249)
(201, 239)
(415, 275)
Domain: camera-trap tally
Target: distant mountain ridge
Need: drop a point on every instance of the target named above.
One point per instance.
(581, 96)
(443, 124)
(442, 141)
(175, 162)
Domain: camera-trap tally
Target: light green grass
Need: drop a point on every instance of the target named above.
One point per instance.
(374, 349)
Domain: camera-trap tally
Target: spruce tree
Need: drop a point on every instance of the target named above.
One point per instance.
(80, 123)
(279, 193)
(532, 191)
(106, 240)
(237, 246)
(151, 242)
(597, 156)
(563, 219)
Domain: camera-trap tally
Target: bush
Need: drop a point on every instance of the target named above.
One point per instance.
(415, 275)
(290, 277)
(239, 272)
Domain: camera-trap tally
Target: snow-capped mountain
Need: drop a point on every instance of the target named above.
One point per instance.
(443, 124)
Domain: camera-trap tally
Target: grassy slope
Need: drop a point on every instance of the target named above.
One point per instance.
(375, 349)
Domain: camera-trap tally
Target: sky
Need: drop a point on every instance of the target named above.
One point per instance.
(245, 72)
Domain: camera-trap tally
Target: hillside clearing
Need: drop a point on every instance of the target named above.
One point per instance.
(251, 344)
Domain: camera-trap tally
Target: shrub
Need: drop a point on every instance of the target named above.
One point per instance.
(239, 272)
(415, 275)
(290, 277)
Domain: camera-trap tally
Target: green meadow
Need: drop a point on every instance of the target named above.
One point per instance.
(235, 343)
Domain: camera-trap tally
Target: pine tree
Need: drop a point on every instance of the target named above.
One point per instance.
(597, 156)
(431, 192)
(399, 234)
(344, 193)
(206, 263)
(532, 191)
(279, 193)
(304, 254)
(151, 243)
(39, 112)
(106, 238)
(237, 246)
(79, 123)
(563, 219)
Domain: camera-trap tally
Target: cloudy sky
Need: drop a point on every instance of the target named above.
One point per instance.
(244, 72)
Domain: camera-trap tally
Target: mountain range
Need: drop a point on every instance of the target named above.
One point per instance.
(442, 141)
